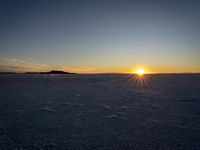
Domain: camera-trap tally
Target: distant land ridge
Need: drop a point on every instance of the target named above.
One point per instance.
(57, 72)
(49, 72)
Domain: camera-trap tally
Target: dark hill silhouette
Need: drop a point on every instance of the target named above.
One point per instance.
(57, 72)
(49, 72)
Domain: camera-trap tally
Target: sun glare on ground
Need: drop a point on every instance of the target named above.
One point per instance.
(141, 77)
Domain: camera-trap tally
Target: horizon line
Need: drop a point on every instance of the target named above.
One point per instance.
(12, 72)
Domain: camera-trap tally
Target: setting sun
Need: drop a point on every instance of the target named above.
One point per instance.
(140, 72)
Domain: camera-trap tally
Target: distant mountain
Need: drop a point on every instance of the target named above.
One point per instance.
(50, 72)
(57, 72)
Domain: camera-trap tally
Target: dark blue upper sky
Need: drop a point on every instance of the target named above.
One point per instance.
(100, 35)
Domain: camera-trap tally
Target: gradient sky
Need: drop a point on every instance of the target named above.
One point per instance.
(90, 36)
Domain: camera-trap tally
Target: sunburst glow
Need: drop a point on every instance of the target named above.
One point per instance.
(140, 72)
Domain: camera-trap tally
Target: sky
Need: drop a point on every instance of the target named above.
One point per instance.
(100, 36)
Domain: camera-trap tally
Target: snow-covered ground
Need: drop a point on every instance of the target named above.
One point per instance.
(100, 112)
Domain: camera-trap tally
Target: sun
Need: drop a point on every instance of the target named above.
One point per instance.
(140, 72)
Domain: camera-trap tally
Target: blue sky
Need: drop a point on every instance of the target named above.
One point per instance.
(100, 35)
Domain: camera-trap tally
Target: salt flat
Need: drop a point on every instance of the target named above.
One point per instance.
(105, 112)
